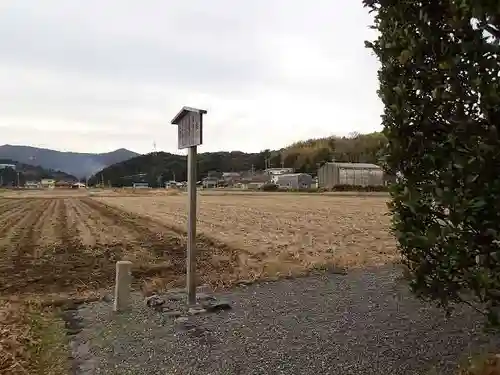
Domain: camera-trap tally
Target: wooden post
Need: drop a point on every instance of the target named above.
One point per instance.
(122, 285)
(191, 230)
(189, 123)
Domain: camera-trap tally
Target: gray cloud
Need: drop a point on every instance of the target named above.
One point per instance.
(98, 74)
(187, 48)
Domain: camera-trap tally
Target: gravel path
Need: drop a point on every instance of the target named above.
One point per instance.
(365, 322)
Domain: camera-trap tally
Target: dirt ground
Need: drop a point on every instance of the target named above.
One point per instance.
(281, 233)
(64, 241)
(70, 244)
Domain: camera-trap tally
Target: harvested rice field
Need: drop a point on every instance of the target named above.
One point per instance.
(61, 243)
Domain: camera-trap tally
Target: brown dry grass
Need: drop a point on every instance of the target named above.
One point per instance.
(282, 233)
(32, 340)
(488, 365)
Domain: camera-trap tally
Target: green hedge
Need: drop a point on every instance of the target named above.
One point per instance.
(440, 86)
(270, 187)
(359, 188)
(353, 188)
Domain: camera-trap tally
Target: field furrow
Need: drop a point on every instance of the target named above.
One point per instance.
(63, 242)
(20, 231)
(282, 232)
(167, 245)
(8, 218)
(70, 243)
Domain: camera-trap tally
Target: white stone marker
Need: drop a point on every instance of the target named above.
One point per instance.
(122, 285)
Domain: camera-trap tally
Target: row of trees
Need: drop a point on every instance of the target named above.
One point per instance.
(358, 148)
(10, 177)
(157, 168)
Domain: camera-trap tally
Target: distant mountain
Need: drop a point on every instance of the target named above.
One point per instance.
(306, 156)
(80, 165)
(10, 177)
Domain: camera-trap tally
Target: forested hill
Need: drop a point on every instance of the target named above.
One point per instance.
(78, 164)
(305, 156)
(9, 176)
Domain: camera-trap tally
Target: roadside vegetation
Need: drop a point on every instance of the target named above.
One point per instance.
(440, 85)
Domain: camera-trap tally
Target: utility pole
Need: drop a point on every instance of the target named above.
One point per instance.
(18, 182)
(253, 170)
(173, 172)
(268, 163)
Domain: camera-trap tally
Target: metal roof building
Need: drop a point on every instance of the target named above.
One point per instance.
(356, 174)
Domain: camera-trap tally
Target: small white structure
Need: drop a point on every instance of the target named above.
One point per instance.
(123, 280)
(78, 185)
(48, 183)
(174, 185)
(140, 185)
(210, 182)
(33, 185)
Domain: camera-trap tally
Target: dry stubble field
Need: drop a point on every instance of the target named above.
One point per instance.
(69, 242)
(62, 244)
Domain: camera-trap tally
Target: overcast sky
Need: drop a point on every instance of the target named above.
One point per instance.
(94, 75)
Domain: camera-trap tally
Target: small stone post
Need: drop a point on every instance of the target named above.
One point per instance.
(122, 285)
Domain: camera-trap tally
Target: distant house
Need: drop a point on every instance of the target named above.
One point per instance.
(294, 181)
(215, 174)
(32, 185)
(63, 184)
(78, 185)
(140, 185)
(255, 181)
(275, 172)
(231, 175)
(5, 166)
(210, 182)
(359, 174)
(231, 178)
(170, 184)
(138, 176)
(174, 185)
(48, 183)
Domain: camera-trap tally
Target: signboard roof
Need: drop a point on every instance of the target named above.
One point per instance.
(184, 111)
